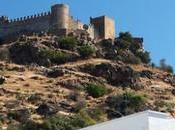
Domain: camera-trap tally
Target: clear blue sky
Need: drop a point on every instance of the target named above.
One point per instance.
(152, 19)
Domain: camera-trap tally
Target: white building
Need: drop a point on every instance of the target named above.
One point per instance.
(147, 120)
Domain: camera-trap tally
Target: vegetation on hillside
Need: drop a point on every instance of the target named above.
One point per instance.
(68, 83)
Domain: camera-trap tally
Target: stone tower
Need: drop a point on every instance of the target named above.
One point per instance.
(60, 16)
(104, 27)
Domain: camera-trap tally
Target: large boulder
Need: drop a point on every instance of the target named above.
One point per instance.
(27, 53)
(34, 52)
(115, 74)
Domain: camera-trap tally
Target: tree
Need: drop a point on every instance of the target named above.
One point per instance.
(144, 56)
(126, 36)
(165, 67)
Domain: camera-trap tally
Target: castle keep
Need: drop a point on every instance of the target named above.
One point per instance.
(58, 20)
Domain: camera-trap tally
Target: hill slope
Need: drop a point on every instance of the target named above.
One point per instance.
(53, 83)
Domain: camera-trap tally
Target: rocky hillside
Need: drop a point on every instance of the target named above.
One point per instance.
(52, 83)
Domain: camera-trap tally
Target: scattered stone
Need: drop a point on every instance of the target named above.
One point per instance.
(72, 84)
(147, 74)
(113, 114)
(114, 73)
(55, 72)
(138, 86)
(2, 91)
(66, 105)
(21, 115)
(46, 110)
(17, 68)
(12, 104)
(173, 92)
(169, 79)
(2, 80)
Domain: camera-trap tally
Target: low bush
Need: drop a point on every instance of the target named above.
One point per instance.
(68, 43)
(4, 54)
(55, 56)
(122, 44)
(161, 105)
(34, 98)
(106, 43)
(127, 103)
(130, 58)
(96, 113)
(86, 118)
(65, 123)
(96, 90)
(86, 51)
(12, 127)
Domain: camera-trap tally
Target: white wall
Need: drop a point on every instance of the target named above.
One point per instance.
(147, 120)
(126, 123)
(161, 124)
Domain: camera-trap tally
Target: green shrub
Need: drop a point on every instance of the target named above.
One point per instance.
(96, 91)
(131, 59)
(127, 103)
(83, 115)
(34, 98)
(59, 122)
(106, 43)
(68, 43)
(4, 54)
(31, 125)
(134, 47)
(96, 113)
(126, 36)
(122, 44)
(11, 127)
(55, 56)
(12, 115)
(86, 51)
(161, 105)
(144, 56)
(64, 123)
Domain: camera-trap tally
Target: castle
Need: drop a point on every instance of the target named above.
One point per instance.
(58, 20)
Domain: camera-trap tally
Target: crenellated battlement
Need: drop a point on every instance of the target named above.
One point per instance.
(58, 21)
(55, 20)
(29, 18)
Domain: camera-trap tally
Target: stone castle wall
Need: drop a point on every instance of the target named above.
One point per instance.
(34, 23)
(109, 28)
(59, 21)
(104, 27)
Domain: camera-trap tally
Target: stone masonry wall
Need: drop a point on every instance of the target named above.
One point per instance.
(109, 29)
(35, 23)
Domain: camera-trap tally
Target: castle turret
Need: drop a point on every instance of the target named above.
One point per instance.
(104, 27)
(60, 16)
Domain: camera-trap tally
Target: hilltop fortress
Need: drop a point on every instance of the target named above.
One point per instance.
(59, 21)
